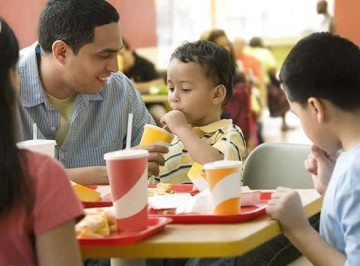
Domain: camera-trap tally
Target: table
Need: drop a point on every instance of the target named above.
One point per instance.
(156, 98)
(204, 240)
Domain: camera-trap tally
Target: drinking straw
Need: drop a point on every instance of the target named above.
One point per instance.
(129, 130)
(227, 148)
(34, 131)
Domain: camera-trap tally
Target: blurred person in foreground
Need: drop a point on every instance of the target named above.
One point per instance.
(38, 207)
(71, 88)
(325, 96)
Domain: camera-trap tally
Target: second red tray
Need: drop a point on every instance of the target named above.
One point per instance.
(247, 213)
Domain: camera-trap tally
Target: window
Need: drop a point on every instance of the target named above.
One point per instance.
(180, 20)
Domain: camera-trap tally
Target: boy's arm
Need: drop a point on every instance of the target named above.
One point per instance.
(314, 248)
(200, 151)
(286, 207)
(320, 165)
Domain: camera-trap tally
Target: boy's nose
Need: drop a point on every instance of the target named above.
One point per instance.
(173, 97)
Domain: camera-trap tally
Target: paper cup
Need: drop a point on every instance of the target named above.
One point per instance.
(43, 146)
(127, 171)
(155, 135)
(224, 180)
(197, 176)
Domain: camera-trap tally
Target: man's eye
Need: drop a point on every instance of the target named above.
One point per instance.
(171, 89)
(104, 56)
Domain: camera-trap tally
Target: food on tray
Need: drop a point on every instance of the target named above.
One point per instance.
(98, 222)
(84, 193)
(250, 198)
(160, 189)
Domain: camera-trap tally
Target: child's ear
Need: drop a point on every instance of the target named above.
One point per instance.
(318, 108)
(219, 94)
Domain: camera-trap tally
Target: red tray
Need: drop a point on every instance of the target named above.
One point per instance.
(247, 213)
(155, 225)
(106, 201)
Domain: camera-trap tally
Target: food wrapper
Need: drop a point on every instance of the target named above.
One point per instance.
(171, 201)
(203, 203)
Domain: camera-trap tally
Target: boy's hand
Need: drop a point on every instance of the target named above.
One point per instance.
(286, 207)
(156, 157)
(175, 120)
(320, 165)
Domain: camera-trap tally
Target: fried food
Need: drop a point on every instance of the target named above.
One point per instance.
(160, 189)
(98, 222)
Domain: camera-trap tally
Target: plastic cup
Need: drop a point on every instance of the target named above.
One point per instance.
(155, 135)
(224, 180)
(43, 146)
(127, 171)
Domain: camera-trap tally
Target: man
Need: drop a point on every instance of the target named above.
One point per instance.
(72, 90)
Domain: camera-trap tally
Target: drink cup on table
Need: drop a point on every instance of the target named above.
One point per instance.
(127, 171)
(156, 135)
(43, 146)
(224, 180)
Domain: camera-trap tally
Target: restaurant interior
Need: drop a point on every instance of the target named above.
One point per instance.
(154, 28)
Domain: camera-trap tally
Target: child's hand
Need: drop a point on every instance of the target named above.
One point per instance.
(175, 120)
(320, 165)
(286, 207)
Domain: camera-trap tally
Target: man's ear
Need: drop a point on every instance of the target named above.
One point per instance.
(219, 94)
(60, 50)
(318, 107)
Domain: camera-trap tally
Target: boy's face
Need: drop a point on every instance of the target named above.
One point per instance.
(315, 126)
(87, 71)
(191, 92)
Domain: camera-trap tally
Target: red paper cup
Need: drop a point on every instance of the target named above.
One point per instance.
(224, 180)
(127, 171)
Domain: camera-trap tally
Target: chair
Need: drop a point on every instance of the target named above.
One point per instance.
(271, 165)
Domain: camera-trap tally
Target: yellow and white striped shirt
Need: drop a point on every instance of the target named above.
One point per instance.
(178, 161)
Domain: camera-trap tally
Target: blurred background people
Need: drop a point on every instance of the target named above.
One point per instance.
(327, 23)
(143, 75)
(272, 96)
(140, 70)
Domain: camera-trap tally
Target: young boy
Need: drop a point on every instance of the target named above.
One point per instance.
(321, 77)
(200, 78)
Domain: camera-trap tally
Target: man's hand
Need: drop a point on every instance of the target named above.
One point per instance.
(156, 157)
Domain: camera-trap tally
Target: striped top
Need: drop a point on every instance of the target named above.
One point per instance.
(98, 123)
(178, 161)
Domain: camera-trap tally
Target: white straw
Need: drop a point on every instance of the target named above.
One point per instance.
(129, 131)
(34, 131)
(228, 136)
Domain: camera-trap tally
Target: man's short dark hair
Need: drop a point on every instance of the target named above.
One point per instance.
(73, 21)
